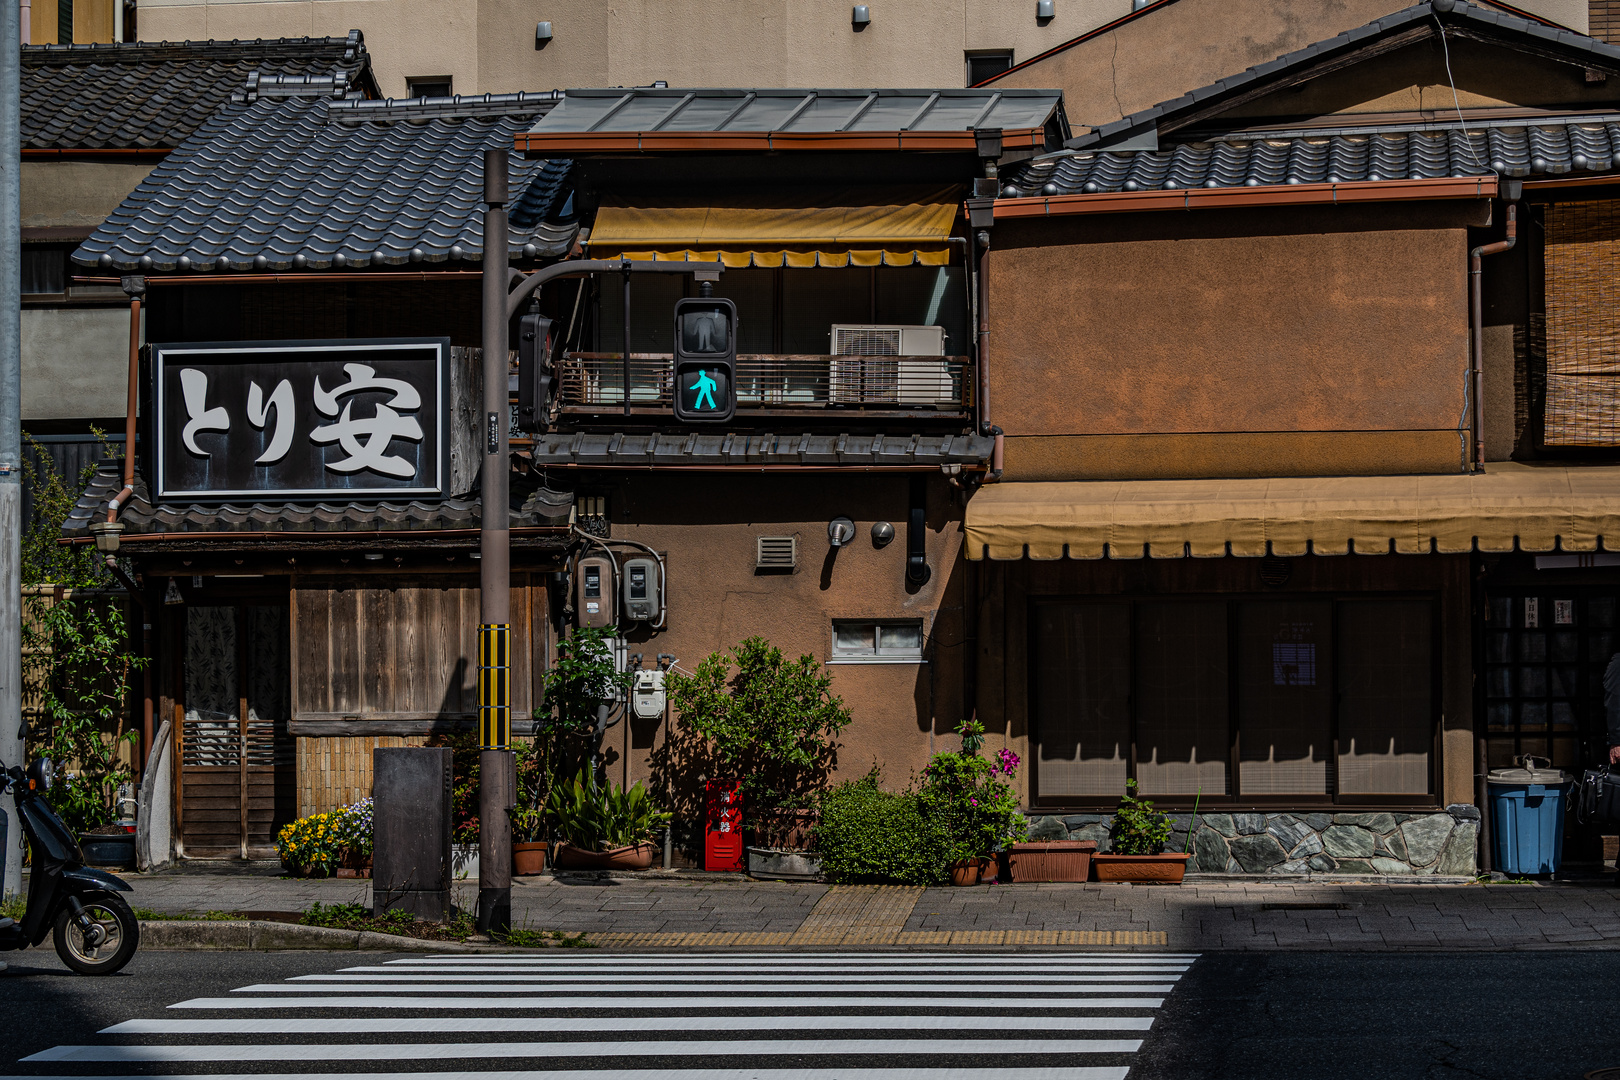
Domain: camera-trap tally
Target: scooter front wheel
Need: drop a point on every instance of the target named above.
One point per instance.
(103, 945)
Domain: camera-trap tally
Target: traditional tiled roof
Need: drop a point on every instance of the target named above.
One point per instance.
(1457, 16)
(533, 506)
(1509, 148)
(290, 177)
(152, 96)
(753, 449)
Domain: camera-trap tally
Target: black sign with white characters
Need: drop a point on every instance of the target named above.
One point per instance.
(297, 419)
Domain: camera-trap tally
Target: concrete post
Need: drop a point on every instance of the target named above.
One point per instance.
(496, 776)
(11, 740)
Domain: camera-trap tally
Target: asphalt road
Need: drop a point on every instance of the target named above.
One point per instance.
(1518, 1016)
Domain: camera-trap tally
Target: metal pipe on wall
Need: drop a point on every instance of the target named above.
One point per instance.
(1476, 303)
(11, 730)
(983, 350)
(136, 288)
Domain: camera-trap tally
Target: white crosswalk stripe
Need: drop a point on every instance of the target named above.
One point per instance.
(797, 1016)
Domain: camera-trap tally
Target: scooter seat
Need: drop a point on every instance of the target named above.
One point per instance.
(6, 924)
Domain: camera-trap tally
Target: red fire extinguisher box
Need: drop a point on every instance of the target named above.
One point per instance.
(723, 825)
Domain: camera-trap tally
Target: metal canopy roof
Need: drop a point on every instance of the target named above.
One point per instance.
(662, 118)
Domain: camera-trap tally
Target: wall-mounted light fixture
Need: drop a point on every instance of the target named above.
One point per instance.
(840, 531)
(542, 35)
(882, 533)
(861, 17)
(1045, 10)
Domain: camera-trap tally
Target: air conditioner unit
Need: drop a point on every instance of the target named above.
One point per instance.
(876, 365)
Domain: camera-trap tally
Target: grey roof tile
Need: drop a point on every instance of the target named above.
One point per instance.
(1584, 144)
(153, 95)
(587, 448)
(533, 505)
(280, 180)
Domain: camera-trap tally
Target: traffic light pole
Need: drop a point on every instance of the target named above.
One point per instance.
(497, 768)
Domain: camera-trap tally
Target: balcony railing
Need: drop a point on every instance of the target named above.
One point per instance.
(594, 382)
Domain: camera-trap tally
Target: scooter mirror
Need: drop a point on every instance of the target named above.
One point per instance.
(41, 773)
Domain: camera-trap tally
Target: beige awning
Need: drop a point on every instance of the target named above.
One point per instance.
(1508, 507)
(897, 229)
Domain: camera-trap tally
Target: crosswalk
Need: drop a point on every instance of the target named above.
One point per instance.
(778, 1015)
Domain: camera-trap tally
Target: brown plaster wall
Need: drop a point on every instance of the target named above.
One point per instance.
(1415, 78)
(1241, 321)
(1009, 587)
(707, 525)
(1218, 454)
(76, 193)
(1193, 43)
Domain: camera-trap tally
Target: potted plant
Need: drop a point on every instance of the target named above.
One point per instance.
(773, 725)
(601, 826)
(579, 682)
(1137, 842)
(977, 811)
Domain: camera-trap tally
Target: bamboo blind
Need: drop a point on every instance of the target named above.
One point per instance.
(1583, 324)
(334, 772)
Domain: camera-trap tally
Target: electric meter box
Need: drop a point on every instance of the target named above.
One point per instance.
(642, 590)
(594, 592)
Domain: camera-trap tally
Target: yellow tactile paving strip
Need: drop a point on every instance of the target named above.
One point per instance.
(877, 915)
(861, 935)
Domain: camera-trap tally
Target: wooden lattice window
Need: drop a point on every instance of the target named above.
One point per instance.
(1583, 324)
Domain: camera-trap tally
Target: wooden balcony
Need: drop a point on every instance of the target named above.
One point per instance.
(798, 385)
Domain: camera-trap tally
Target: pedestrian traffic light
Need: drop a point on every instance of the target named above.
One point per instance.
(534, 372)
(705, 359)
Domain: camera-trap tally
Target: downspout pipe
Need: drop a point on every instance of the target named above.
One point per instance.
(983, 352)
(1476, 273)
(135, 287)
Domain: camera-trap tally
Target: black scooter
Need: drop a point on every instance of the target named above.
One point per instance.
(96, 932)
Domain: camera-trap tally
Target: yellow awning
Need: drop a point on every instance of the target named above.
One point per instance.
(903, 230)
(1508, 507)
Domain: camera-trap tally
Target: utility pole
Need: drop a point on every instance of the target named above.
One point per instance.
(11, 738)
(497, 768)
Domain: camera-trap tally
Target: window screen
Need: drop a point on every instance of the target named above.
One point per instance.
(925, 296)
(1385, 697)
(1183, 733)
(812, 300)
(1082, 659)
(44, 269)
(652, 312)
(1285, 718)
(1582, 267)
(982, 66)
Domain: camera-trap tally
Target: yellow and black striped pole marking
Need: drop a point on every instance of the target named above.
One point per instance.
(495, 685)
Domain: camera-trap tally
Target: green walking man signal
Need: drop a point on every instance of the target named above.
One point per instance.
(705, 359)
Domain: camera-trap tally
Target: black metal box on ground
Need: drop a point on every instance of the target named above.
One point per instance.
(410, 867)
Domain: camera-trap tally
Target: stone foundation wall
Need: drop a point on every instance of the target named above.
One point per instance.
(1299, 843)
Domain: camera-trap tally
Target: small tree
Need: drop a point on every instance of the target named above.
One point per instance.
(582, 680)
(77, 663)
(773, 725)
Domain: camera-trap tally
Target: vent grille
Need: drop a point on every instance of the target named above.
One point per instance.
(776, 552)
(866, 341)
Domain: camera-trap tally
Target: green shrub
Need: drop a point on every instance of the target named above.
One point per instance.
(602, 816)
(868, 834)
(961, 793)
(1138, 828)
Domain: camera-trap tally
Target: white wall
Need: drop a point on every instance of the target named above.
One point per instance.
(75, 362)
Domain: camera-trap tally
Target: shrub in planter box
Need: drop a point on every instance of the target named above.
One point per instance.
(603, 826)
(1137, 842)
(978, 811)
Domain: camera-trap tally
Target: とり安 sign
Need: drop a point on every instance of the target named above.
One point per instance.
(290, 419)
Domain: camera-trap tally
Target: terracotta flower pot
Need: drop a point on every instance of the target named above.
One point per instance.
(990, 869)
(633, 857)
(1052, 860)
(529, 858)
(1166, 869)
(965, 872)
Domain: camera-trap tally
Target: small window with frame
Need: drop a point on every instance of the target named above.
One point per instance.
(877, 641)
(428, 86)
(45, 271)
(987, 64)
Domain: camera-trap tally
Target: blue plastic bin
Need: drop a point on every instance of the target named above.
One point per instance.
(1527, 818)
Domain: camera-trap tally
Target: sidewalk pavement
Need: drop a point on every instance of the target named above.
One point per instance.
(1202, 914)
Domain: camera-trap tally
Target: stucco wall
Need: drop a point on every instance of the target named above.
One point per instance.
(488, 45)
(707, 524)
(1195, 328)
(71, 193)
(1193, 43)
(75, 362)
